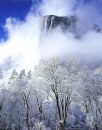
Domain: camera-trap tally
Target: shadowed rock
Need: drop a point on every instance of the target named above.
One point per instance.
(66, 23)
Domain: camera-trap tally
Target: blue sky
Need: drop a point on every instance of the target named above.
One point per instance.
(14, 8)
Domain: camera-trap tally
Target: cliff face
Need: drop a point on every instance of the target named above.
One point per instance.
(67, 24)
(51, 22)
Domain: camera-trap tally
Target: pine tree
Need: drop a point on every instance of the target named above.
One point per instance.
(29, 75)
(22, 74)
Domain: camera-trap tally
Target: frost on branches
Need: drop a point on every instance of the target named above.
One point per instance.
(55, 95)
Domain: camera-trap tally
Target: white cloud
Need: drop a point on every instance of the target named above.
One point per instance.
(56, 7)
(88, 11)
(89, 47)
(24, 47)
(22, 42)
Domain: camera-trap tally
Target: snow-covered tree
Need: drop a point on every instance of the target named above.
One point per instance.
(60, 81)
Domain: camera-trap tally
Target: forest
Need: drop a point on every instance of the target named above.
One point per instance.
(56, 95)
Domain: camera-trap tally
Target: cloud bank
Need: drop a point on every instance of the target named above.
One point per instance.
(21, 46)
(89, 11)
(24, 48)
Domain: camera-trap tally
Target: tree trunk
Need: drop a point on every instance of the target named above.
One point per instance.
(62, 125)
(27, 118)
(96, 127)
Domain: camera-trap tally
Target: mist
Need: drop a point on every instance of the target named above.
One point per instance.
(24, 47)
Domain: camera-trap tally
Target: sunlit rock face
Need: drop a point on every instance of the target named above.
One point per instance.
(66, 23)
